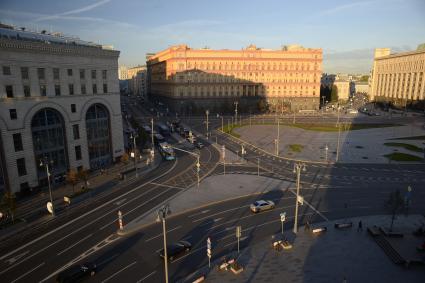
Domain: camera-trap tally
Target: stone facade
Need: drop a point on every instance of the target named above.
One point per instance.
(182, 75)
(398, 77)
(66, 80)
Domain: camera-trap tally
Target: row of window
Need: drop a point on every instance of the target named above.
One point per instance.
(41, 73)
(14, 114)
(58, 91)
(402, 66)
(248, 66)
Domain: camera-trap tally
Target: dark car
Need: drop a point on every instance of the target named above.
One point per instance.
(199, 145)
(77, 273)
(176, 250)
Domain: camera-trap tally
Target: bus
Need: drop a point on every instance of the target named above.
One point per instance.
(163, 129)
(166, 151)
(158, 138)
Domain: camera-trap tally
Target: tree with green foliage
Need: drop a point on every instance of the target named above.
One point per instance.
(72, 178)
(262, 105)
(364, 78)
(334, 93)
(394, 203)
(8, 204)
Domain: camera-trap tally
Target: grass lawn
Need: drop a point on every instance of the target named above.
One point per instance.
(296, 147)
(407, 146)
(398, 156)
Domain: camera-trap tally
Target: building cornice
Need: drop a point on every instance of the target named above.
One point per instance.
(397, 55)
(56, 49)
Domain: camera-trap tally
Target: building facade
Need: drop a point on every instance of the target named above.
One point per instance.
(60, 102)
(344, 88)
(137, 81)
(182, 76)
(399, 77)
(361, 87)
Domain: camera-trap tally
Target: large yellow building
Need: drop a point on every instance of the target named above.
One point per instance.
(398, 77)
(203, 78)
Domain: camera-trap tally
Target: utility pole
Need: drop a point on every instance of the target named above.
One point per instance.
(277, 139)
(162, 215)
(222, 123)
(337, 145)
(45, 162)
(258, 166)
(297, 169)
(152, 135)
(236, 111)
(207, 113)
(133, 136)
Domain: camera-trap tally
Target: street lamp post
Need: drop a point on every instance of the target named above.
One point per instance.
(207, 113)
(297, 169)
(162, 215)
(133, 136)
(198, 169)
(277, 139)
(326, 153)
(337, 145)
(236, 111)
(45, 162)
(258, 166)
(222, 123)
(152, 135)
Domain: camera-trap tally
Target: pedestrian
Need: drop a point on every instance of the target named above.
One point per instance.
(360, 227)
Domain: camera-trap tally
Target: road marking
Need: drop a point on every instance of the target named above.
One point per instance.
(144, 278)
(120, 201)
(221, 212)
(28, 272)
(196, 214)
(167, 186)
(116, 273)
(84, 215)
(75, 244)
(159, 235)
(209, 222)
(312, 207)
(235, 242)
(16, 258)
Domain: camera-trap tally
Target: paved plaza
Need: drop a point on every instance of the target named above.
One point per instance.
(357, 146)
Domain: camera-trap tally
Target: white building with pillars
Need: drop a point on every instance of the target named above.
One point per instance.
(59, 100)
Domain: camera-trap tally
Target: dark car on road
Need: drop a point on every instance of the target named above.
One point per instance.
(77, 273)
(176, 250)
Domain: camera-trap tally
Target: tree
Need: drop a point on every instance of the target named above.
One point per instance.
(8, 203)
(334, 93)
(83, 175)
(364, 78)
(72, 178)
(124, 158)
(262, 105)
(394, 203)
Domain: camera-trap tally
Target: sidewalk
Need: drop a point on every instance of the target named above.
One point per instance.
(33, 209)
(332, 256)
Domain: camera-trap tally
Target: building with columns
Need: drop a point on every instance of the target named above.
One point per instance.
(59, 101)
(184, 77)
(398, 77)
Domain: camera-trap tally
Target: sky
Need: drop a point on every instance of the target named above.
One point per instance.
(347, 31)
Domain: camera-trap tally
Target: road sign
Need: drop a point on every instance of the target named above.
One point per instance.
(283, 216)
(238, 231)
(301, 200)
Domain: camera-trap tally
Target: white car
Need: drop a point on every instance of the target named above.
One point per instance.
(261, 205)
(353, 111)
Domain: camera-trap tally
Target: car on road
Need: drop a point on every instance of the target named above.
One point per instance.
(199, 145)
(262, 205)
(76, 273)
(353, 111)
(177, 249)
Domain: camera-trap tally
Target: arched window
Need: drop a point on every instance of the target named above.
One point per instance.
(98, 136)
(48, 137)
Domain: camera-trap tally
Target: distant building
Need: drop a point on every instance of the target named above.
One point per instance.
(398, 77)
(123, 73)
(59, 100)
(137, 81)
(361, 87)
(186, 78)
(345, 89)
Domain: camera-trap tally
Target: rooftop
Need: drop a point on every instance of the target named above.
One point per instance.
(12, 32)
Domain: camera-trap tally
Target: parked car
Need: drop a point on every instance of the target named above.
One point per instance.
(199, 145)
(177, 249)
(262, 205)
(76, 273)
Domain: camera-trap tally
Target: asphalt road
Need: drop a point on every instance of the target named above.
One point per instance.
(77, 234)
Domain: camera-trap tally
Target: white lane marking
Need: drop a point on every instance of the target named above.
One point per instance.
(85, 214)
(120, 201)
(28, 272)
(196, 214)
(16, 258)
(116, 273)
(235, 242)
(146, 277)
(221, 212)
(167, 186)
(75, 244)
(210, 222)
(159, 235)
